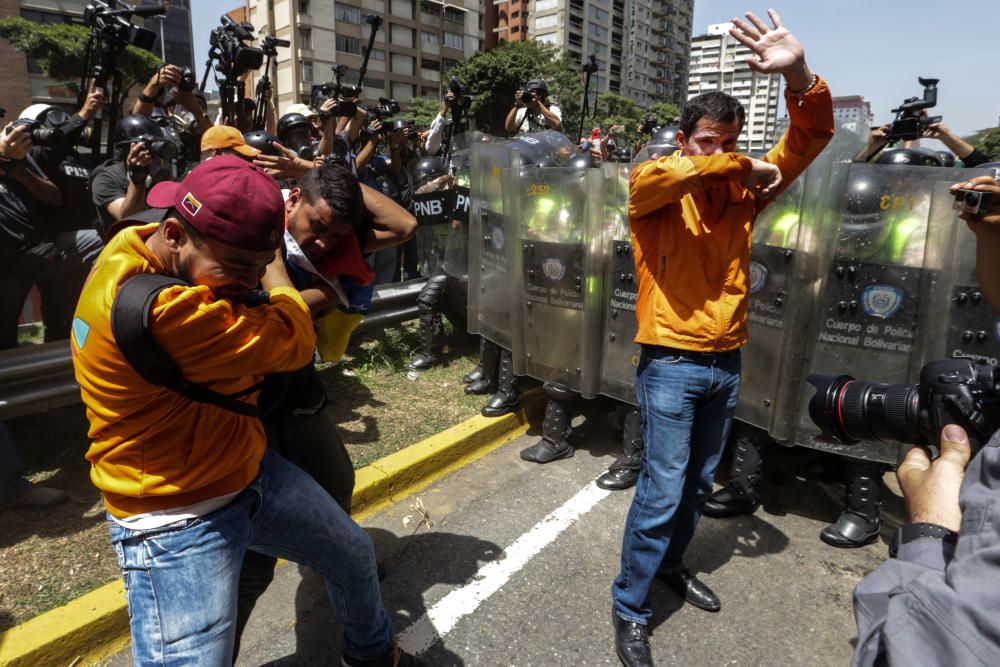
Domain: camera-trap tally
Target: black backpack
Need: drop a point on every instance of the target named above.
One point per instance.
(130, 327)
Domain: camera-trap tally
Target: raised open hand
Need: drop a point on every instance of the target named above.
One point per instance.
(776, 49)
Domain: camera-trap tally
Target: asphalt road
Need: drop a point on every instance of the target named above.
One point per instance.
(517, 565)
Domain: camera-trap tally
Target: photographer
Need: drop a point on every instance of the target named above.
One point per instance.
(33, 249)
(167, 77)
(531, 113)
(963, 150)
(119, 185)
(931, 602)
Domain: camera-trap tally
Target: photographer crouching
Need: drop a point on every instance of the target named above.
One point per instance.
(932, 602)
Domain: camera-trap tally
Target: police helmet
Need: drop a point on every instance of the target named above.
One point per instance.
(292, 121)
(665, 136)
(539, 87)
(295, 132)
(863, 200)
(262, 141)
(426, 170)
(136, 127)
(909, 156)
(581, 161)
(947, 158)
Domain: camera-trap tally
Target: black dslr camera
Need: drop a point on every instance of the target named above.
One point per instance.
(188, 80)
(951, 391)
(386, 108)
(909, 124)
(345, 95)
(161, 148)
(463, 100)
(40, 136)
(649, 124)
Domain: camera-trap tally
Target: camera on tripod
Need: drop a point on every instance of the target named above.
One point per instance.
(344, 95)
(229, 48)
(269, 45)
(112, 22)
(951, 391)
(909, 124)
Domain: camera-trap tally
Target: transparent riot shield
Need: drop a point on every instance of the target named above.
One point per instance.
(456, 255)
(433, 207)
(619, 353)
(792, 240)
(894, 246)
(494, 249)
(562, 260)
(971, 328)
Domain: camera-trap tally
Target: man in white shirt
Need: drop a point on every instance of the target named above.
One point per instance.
(531, 112)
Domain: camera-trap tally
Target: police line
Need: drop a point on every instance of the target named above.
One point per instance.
(858, 269)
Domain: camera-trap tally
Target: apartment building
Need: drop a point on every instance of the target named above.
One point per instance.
(854, 113)
(718, 62)
(417, 43)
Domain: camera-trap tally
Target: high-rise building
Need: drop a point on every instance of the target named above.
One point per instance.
(418, 41)
(505, 21)
(854, 113)
(718, 62)
(641, 46)
(658, 51)
(174, 38)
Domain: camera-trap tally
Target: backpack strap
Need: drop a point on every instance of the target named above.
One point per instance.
(130, 327)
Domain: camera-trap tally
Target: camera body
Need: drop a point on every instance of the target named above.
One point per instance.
(908, 123)
(345, 95)
(40, 136)
(161, 148)
(113, 25)
(269, 45)
(972, 201)
(649, 124)
(188, 80)
(228, 46)
(463, 100)
(387, 108)
(528, 96)
(951, 391)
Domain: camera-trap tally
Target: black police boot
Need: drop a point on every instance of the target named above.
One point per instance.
(742, 494)
(507, 396)
(859, 522)
(631, 642)
(476, 374)
(624, 473)
(554, 444)
(489, 365)
(430, 339)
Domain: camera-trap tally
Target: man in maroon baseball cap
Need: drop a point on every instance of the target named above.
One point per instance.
(187, 478)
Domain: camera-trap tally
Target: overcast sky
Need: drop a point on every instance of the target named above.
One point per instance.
(874, 48)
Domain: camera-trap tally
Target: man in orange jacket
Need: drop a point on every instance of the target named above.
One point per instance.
(691, 215)
(186, 476)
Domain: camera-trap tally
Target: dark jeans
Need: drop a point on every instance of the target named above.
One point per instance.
(59, 283)
(310, 442)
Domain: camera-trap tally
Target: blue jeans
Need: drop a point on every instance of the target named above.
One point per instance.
(181, 580)
(687, 400)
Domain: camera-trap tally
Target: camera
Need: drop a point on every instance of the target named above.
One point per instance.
(908, 123)
(269, 45)
(649, 124)
(228, 47)
(188, 80)
(528, 96)
(161, 148)
(463, 100)
(40, 136)
(345, 95)
(972, 201)
(386, 109)
(111, 23)
(951, 391)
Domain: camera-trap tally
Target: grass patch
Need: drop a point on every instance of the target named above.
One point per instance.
(50, 556)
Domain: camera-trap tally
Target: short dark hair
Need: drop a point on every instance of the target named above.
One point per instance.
(196, 237)
(715, 106)
(337, 186)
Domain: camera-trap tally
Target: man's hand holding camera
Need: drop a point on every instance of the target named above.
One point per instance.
(15, 142)
(931, 488)
(138, 161)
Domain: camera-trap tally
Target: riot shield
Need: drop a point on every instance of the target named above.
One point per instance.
(792, 240)
(433, 206)
(494, 248)
(562, 258)
(619, 353)
(895, 243)
(456, 256)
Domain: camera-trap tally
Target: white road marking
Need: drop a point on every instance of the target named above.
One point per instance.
(445, 615)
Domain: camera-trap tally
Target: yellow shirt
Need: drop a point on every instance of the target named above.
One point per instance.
(154, 449)
(691, 219)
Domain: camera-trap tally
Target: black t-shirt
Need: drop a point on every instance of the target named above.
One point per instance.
(19, 213)
(109, 182)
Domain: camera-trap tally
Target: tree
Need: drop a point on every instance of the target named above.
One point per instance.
(988, 141)
(60, 49)
(423, 110)
(494, 76)
(614, 110)
(665, 113)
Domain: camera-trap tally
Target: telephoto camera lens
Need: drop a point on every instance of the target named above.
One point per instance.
(851, 410)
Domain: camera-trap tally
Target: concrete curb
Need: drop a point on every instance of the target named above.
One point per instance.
(95, 625)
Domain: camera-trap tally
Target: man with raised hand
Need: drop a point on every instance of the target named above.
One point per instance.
(691, 215)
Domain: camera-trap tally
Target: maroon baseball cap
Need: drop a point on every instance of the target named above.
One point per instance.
(229, 200)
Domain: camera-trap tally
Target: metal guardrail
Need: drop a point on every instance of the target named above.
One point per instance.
(36, 378)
